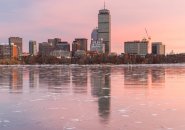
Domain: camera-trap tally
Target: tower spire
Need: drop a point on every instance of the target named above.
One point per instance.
(104, 4)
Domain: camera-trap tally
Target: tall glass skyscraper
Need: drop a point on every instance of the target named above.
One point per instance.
(104, 28)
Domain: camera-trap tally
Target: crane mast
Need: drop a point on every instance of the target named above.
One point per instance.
(149, 39)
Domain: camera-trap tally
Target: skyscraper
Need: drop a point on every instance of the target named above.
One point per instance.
(96, 44)
(45, 48)
(5, 51)
(104, 28)
(33, 48)
(18, 42)
(94, 35)
(14, 51)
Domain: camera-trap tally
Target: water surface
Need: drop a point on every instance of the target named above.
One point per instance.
(146, 97)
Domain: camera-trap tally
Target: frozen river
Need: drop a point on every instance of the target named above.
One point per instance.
(148, 97)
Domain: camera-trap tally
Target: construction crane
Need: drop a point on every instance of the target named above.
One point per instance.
(149, 38)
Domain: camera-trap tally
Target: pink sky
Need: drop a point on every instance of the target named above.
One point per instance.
(68, 19)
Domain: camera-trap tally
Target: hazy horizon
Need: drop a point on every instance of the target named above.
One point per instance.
(69, 19)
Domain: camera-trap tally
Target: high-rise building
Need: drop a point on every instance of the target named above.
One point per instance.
(51, 41)
(94, 35)
(45, 48)
(14, 51)
(96, 44)
(79, 44)
(54, 41)
(158, 48)
(136, 47)
(18, 42)
(9, 51)
(5, 51)
(75, 47)
(104, 28)
(33, 48)
(83, 43)
(63, 46)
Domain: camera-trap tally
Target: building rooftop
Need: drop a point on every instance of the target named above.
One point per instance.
(136, 41)
(104, 11)
(81, 39)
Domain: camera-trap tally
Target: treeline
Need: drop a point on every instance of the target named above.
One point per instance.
(9, 62)
(99, 59)
(107, 59)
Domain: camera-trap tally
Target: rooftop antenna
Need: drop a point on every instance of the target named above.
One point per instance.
(104, 4)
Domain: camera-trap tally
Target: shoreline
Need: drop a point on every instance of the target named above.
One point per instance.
(108, 65)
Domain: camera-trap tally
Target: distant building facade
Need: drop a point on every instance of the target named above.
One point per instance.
(82, 42)
(94, 35)
(75, 46)
(33, 48)
(51, 41)
(63, 46)
(14, 51)
(104, 28)
(80, 53)
(97, 45)
(60, 53)
(136, 47)
(54, 41)
(61, 49)
(79, 44)
(45, 48)
(158, 48)
(9, 51)
(5, 51)
(55, 47)
(18, 42)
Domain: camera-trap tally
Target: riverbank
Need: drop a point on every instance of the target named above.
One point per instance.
(97, 59)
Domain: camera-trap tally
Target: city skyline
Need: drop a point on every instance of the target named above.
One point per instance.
(40, 20)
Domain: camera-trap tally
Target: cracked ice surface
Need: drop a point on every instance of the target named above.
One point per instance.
(74, 97)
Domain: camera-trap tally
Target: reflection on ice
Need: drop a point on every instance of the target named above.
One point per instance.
(5, 121)
(92, 97)
(34, 100)
(122, 111)
(138, 122)
(62, 118)
(53, 108)
(75, 120)
(154, 114)
(17, 111)
(69, 128)
(125, 115)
